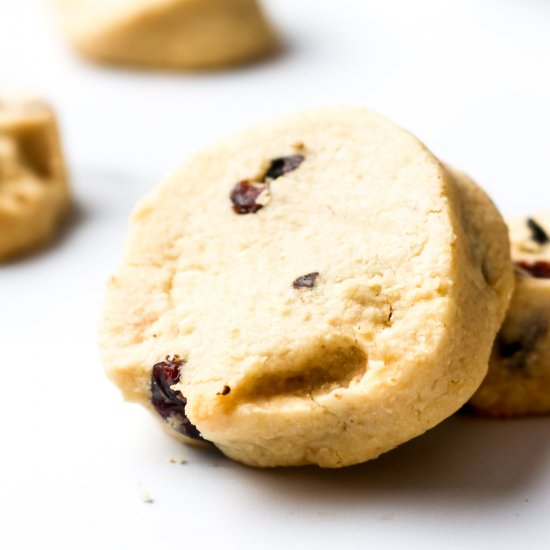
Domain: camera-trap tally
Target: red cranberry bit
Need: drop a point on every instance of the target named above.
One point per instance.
(306, 281)
(283, 165)
(538, 234)
(247, 197)
(171, 404)
(539, 269)
(244, 196)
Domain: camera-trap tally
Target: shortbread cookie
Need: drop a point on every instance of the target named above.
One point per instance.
(518, 382)
(34, 195)
(173, 34)
(316, 290)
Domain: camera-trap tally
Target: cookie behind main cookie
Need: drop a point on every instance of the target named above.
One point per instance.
(316, 290)
(518, 382)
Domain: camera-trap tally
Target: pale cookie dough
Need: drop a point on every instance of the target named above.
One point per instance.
(34, 194)
(171, 34)
(518, 383)
(316, 290)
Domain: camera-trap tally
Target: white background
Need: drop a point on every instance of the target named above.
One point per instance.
(470, 78)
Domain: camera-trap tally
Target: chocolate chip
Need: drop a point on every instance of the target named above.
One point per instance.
(168, 403)
(226, 390)
(539, 269)
(283, 165)
(306, 281)
(245, 197)
(538, 234)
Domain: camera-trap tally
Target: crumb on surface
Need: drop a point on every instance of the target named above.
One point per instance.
(146, 497)
(177, 460)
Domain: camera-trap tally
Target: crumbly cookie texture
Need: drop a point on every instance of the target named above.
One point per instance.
(34, 193)
(518, 383)
(317, 290)
(171, 34)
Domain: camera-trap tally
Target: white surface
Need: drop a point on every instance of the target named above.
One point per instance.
(470, 78)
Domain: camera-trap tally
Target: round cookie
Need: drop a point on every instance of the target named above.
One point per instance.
(518, 382)
(171, 34)
(34, 194)
(316, 290)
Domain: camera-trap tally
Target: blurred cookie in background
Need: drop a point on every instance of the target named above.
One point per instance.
(518, 383)
(167, 34)
(34, 191)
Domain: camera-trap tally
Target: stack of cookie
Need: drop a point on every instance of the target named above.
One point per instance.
(316, 290)
(319, 290)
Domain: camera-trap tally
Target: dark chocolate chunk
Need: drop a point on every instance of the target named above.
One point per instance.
(283, 165)
(538, 234)
(306, 281)
(539, 269)
(244, 196)
(171, 404)
(225, 391)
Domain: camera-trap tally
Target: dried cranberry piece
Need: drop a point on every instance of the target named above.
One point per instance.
(538, 234)
(244, 196)
(306, 281)
(539, 269)
(519, 350)
(508, 349)
(250, 196)
(283, 165)
(171, 404)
